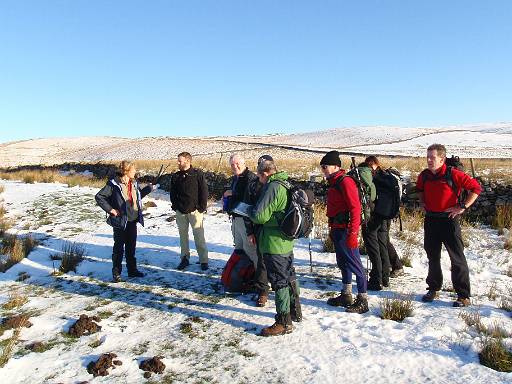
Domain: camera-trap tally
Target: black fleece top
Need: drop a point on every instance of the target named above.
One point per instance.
(189, 191)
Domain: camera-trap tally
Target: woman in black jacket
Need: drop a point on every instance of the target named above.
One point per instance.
(121, 199)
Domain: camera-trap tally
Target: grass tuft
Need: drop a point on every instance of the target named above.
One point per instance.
(495, 355)
(397, 308)
(72, 255)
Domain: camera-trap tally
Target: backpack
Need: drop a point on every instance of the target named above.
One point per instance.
(238, 273)
(297, 221)
(389, 193)
(364, 188)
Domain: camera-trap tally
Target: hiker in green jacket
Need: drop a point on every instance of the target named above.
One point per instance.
(276, 248)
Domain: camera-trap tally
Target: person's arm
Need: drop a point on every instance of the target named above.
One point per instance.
(102, 199)
(172, 191)
(464, 181)
(145, 191)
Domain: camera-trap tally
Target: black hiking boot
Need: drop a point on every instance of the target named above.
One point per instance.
(116, 278)
(360, 305)
(262, 299)
(135, 273)
(374, 286)
(343, 300)
(204, 266)
(282, 326)
(430, 296)
(183, 264)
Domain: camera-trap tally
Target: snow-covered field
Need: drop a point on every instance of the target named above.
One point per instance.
(478, 141)
(144, 317)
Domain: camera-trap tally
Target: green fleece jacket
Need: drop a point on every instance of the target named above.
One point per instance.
(268, 211)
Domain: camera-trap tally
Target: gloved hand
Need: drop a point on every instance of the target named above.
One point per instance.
(352, 241)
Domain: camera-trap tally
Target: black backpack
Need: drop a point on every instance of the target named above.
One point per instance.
(389, 193)
(297, 221)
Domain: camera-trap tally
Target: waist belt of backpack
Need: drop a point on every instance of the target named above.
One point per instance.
(340, 218)
(437, 215)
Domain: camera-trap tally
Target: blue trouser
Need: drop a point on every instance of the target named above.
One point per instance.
(348, 260)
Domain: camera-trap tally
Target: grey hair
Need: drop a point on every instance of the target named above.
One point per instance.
(267, 166)
(236, 156)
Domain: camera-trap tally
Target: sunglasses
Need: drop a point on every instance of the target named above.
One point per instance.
(324, 166)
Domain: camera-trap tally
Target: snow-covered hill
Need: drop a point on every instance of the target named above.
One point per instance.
(483, 140)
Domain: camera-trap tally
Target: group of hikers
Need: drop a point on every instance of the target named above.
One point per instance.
(257, 232)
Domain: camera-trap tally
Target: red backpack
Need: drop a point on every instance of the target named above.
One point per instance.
(238, 273)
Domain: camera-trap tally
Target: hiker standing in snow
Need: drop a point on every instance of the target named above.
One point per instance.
(376, 234)
(252, 195)
(439, 187)
(189, 198)
(276, 248)
(394, 260)
(121, 199)
(344, 213)
(236, 194)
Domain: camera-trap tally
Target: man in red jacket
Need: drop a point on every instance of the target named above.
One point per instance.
(344, 213)
(439, 187)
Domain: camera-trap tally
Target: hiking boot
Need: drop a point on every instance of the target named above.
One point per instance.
(430, 296)
(374, 286)
(183, 264)
(204, 266)
(262, 299)
(396, 272)
(461, 302)
(116, 278)
(282, 326)
(359, 306)
(343, 300)
(385, 283)
(135, 273)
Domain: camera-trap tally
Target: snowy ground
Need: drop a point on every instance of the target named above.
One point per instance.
(144, 317)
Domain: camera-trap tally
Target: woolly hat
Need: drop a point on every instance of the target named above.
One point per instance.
(331, 158)
(265, 157)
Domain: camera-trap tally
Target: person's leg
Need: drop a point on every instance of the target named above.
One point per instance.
(241, 241)
(339, 237)
(459, 266)
(383, 239)
(182, 223)
(394, 259)
(117, 252)
(371, 243)
(196, 219)
(432, 245)
(130, 245)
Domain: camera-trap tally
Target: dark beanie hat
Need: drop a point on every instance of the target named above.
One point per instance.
(331, 158)
(265, 157)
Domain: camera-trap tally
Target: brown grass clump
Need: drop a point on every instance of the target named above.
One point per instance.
(9, 344)
(16, 248)
(15, 300)
(72, 255)
(397, 308)
(503, 217)
(495, 355)
(2, 188)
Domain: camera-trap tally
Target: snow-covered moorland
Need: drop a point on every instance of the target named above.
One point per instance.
(204, 335)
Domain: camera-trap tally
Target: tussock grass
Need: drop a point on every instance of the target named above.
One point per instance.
(503, 217)
(72, 255)
(51, 176)
(474, 319)
(492, 294)
(412, 220)
(508, 245)
(2, 188)
(321, 224)
(9, 344)
(14, 300)
(495, 355)
(16, 248)
(397, 308)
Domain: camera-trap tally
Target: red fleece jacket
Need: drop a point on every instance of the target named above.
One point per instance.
(437, 193)
(344, 200)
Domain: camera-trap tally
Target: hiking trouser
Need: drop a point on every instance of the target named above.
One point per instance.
(281, 274)
(125, 241)
(348, 260)
(394, 260)
(241, 241)
(439, 231)
(376, 239)
(195, 220)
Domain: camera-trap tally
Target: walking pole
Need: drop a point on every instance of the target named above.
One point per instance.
(310, 254)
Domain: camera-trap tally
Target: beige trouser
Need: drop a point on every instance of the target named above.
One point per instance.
(241, 241)
(195, 219)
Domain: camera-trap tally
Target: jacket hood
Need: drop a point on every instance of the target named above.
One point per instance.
(282, 176)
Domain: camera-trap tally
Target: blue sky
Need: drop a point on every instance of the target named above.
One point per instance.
(152, 68)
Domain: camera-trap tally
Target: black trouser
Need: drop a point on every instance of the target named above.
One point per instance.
(376, 239)
(394, 260)
(439, 231)
(260, 276)
(125, 241)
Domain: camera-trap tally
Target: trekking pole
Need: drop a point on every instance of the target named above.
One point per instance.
(310, 254)
(160, 172)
